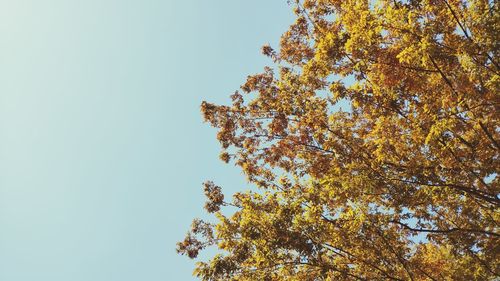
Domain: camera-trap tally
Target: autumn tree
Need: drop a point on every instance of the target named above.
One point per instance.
(403, 185)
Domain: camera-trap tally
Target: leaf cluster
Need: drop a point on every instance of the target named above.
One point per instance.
(403, 186)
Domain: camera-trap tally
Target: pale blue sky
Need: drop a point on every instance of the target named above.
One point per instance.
(102, 147)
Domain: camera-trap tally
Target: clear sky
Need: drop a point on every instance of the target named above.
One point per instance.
(102, 146)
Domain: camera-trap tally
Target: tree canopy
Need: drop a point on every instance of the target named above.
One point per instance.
(403, 185)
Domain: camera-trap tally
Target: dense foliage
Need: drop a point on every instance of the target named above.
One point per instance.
(402, 186)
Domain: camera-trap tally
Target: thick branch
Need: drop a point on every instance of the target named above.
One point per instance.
(445, 231)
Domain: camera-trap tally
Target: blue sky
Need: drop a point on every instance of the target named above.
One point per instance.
(102, 147)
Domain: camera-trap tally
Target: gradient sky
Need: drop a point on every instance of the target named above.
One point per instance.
(102, 147)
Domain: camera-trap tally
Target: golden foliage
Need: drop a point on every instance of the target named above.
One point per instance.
(403, 186)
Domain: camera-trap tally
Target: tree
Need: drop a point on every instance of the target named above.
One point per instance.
(402, 186)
